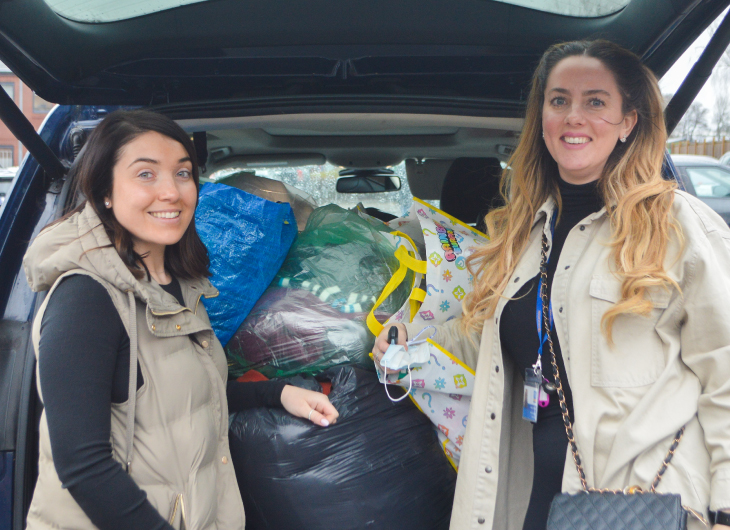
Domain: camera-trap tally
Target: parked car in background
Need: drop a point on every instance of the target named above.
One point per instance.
(706, 178)
(725, 159)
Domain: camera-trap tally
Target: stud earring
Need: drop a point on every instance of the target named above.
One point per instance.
(543, 135)
(623, 139)
(108, 204)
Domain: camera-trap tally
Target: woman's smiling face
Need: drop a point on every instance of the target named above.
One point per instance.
(582, 117)
(153, 191)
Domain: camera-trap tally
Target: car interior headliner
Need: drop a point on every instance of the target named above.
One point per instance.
(428, 143)
(352, 140)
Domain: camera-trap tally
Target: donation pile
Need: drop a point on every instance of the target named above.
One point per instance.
(379, 466)
(312, 317)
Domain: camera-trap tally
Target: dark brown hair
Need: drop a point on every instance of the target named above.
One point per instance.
(94, 175)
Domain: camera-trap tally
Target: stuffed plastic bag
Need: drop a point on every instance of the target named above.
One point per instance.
(292, 331)
(313, 315)
(247, 239)
(379, 466)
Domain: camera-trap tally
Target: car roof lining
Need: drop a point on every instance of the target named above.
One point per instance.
(427, 142)
(353, 140)
(354, 122)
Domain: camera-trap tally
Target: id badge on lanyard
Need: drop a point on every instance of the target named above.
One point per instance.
(534, 393)
(533, 386)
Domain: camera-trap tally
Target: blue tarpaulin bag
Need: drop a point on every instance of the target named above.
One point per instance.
(247, 239)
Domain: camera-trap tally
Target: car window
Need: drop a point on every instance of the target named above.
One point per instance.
(319, 182)
(99, 11)
(709, 182)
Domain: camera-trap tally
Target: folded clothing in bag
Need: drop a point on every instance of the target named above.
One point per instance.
(313, 316)
(291, 331)
(247, 239)
(379, 466)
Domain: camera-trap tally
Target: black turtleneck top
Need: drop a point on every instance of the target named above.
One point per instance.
(83, 364)
(518, 335)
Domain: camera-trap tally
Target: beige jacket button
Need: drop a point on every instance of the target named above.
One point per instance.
(204, 344)
(153, 327)
(480, 520)
(177, 327)
(224, 459)
(488, 469)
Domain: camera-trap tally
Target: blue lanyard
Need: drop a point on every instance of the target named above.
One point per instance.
(542, 337)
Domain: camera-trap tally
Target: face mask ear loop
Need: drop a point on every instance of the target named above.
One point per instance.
(385, 383)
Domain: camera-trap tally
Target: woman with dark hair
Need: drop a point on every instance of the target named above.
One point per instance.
(134, 432)
(600, 301)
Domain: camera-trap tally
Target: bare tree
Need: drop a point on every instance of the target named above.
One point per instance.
(693, 123)
(721, 111)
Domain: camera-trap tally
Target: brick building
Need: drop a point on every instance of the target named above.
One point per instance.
(34, 108)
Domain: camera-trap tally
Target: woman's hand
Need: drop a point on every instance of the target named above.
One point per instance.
(314, 406)
(381, 343)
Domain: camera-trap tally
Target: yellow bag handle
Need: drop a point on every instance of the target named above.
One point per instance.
(417, 296)
(412, 263)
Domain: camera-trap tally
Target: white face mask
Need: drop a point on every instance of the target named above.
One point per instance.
(396, 357)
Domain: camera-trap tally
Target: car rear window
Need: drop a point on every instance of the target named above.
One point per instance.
(319, 182)
(573, 8)
(112, 10)
(99, 11)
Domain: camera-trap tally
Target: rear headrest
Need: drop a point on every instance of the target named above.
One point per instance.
(471, 188)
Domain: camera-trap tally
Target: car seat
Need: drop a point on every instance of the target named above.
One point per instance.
(471, 189)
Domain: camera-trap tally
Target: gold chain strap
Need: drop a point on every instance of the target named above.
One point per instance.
(564, 407)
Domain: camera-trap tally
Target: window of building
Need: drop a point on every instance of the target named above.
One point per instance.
(40, 105)
(6, 156)
(9, 88)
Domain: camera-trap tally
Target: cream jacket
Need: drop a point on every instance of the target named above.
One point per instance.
(180, 446)
(666, 370)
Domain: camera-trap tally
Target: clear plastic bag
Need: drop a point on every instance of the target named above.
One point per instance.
(313, 315)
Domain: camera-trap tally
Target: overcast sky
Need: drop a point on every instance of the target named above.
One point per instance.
(674, 77)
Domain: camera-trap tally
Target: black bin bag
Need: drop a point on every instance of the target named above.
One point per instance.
(380, 466)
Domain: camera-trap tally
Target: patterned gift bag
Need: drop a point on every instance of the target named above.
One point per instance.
(443, 386)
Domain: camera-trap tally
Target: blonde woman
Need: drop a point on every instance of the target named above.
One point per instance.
(638, 280)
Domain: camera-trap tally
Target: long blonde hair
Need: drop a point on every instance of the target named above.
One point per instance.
(631, 185)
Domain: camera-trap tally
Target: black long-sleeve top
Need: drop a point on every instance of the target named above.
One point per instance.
(518, 335)
(84, 367)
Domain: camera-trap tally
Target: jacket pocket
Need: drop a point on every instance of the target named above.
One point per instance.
(177, 512)
(636, 357)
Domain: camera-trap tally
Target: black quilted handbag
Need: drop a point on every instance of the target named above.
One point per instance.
(616, 511)
(592, 509)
